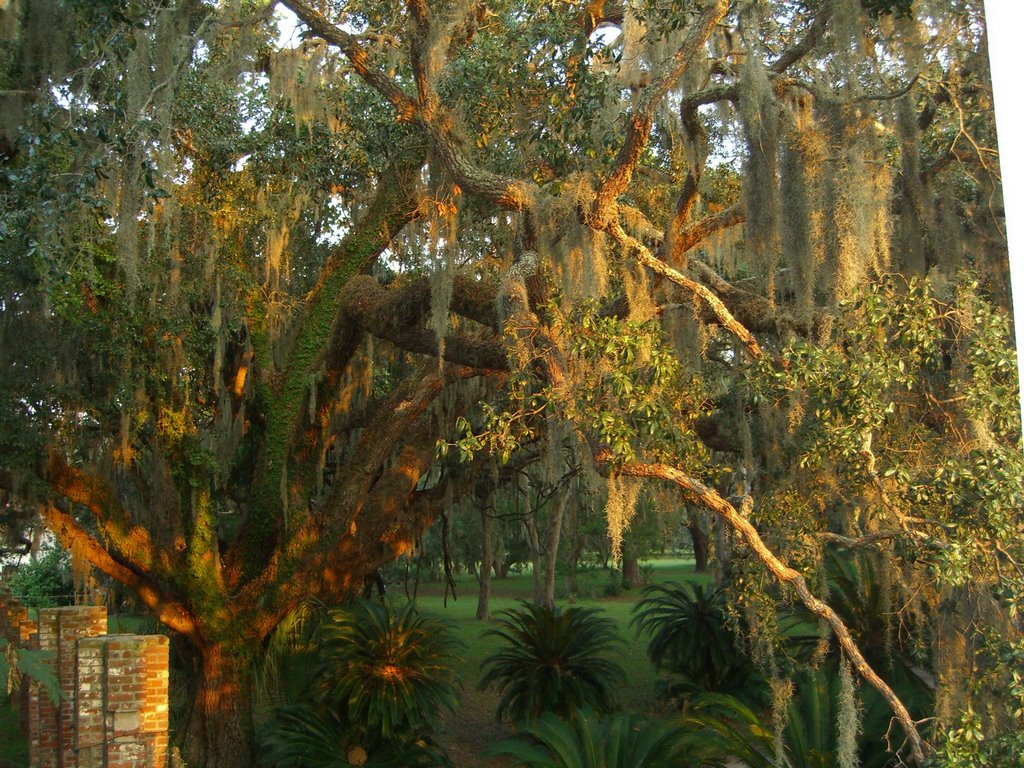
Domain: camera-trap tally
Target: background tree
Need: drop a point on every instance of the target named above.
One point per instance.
(248, 286)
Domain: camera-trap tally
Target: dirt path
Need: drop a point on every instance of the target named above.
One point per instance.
(472, 729)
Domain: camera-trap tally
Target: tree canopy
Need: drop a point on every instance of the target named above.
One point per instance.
(271, 300)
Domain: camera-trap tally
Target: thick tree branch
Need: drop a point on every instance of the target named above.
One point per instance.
(405, 107)
(397, 314)
(322, 343)
(700, 230)
(170, 611)
(642, 118)
(738, 522)
(132, 542)
(368, 511)
(806, 44)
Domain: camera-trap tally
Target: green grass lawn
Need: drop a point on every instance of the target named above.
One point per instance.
(13, 746)
(472, 728)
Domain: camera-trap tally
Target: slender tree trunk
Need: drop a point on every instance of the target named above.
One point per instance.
(700, 543)
(554, 535)
(220, 730)
(575, 548)
(535, 554)
(537, 560)
(630, 567)
(483, 603)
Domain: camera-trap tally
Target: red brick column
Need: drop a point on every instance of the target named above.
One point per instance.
(51, 726)
(122, 706)
(42, 721)
(91, 685)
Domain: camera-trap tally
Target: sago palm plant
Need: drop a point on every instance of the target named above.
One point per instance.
(820, 730)
(590, 740)
(390, 669)
(552, 661)
(305, 736)
(377, 679)
(691, 640)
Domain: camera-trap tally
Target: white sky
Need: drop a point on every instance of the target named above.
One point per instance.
(1005, 20)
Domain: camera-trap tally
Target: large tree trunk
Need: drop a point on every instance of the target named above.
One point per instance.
(219, 733)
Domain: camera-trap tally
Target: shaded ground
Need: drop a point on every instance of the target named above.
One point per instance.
(471, 730)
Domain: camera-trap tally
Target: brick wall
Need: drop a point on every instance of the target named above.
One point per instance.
(113, 710)
(122, 704)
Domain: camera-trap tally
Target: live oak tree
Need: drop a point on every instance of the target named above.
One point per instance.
(250, 285)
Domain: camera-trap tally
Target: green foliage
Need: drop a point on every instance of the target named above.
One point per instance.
(17, 662)
(389, 668)
(627, 388)
(914, 405)
(631, 390)
(996, 737)
(691, 638)
(722, 727)
(590, 740)
(302, 736)
(552, 661)
(371, 677)
(44, 582)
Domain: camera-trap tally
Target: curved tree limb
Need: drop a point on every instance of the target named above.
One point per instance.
(784, 574)
(170, 611)
(701, 291)
(404, 105)
(806, 44)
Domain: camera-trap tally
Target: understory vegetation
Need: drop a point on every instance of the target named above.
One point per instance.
(306, 300)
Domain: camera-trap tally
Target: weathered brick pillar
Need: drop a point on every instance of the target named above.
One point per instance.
(42, 721)
(122, 705)
(51, 726)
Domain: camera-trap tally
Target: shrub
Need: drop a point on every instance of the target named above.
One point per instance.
(44, 582)
(589, 740)
(552, 661)
(692, 640)
(391, 670)
(374, 679)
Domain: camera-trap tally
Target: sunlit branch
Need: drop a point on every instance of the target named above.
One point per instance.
(72, 536)
(725, 317)
(641, 120)
(738, 521)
